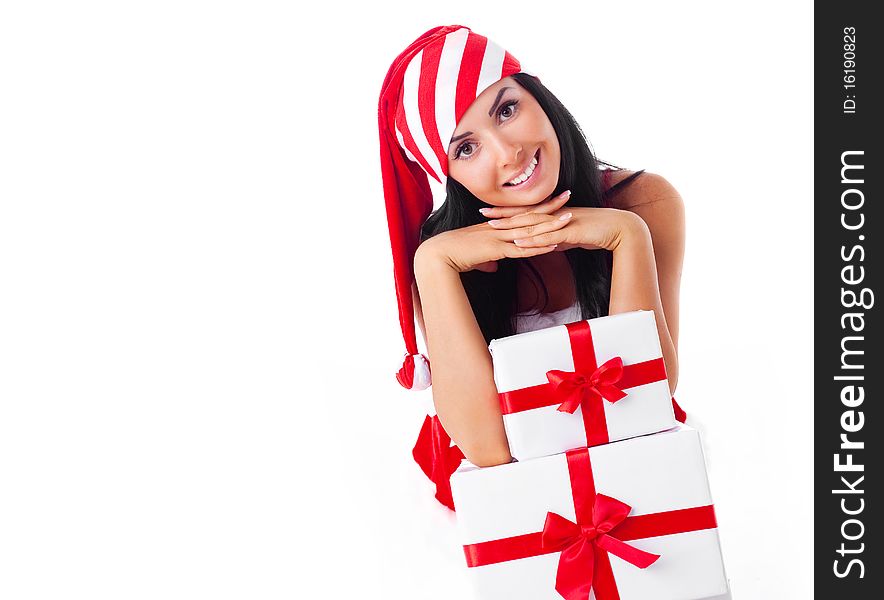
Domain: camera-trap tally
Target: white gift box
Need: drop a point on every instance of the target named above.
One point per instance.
(655, 475)
(534, 424)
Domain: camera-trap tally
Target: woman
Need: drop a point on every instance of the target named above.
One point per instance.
(532, 233)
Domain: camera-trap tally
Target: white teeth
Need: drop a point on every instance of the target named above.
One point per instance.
(526, 174)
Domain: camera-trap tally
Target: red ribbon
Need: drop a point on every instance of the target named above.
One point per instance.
(437, 458)
(576, 390)
(603, 527)
(587, 386)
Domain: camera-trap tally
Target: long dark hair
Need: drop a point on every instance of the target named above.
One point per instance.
(493, 295)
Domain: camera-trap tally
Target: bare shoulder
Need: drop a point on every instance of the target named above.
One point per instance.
(647, 188)
(658, 203)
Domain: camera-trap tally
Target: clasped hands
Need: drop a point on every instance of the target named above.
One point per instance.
(526, 231)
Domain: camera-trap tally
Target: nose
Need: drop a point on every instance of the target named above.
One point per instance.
(508, 153)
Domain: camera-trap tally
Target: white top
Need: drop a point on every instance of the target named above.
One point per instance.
(532, 322)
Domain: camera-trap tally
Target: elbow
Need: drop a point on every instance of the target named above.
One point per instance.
(476, 425)
(672, 377)
(485, 448)
(490, 456)
(673, 383)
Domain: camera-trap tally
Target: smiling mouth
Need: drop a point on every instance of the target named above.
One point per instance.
(532, 167)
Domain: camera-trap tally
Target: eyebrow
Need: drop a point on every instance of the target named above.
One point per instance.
(490, 112)
(461, 136)
(497, 100)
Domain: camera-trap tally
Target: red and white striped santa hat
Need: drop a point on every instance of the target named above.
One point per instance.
(426, 92)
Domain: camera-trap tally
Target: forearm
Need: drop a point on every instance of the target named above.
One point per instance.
(634, 286)
(463, 382)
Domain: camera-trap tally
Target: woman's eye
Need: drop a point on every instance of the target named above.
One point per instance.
(506, 111)
(461, 150)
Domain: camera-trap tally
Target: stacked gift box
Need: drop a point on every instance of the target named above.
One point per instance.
(608, 497)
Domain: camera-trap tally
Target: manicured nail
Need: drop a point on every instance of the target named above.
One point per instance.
(494, 222)
(517, 242)
(565, 217)
(565, 193)
(484, 211)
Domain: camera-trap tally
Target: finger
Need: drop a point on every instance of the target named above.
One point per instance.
(530, 231)
(523, 220)
(526, 219)
(545, 207)
(553, 204)
(513, 251)
(544, 239)
(499, 212)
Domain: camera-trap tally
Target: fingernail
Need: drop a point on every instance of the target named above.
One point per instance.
(484, 210)
(565, 217)
(493, 222)
(565, 193)
(517, 242)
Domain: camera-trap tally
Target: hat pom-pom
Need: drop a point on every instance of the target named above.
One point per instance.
(415, 373)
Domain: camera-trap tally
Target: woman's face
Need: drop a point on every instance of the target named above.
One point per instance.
(497, 141)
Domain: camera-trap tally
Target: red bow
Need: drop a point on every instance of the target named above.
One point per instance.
(437, 458)
(574, 389)
(570, 389)
(579, 545)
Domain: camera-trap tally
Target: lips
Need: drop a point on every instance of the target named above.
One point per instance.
(531, 178)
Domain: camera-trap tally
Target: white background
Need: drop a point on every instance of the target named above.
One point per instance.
(198, 331)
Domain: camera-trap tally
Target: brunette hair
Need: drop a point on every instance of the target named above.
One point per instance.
(493, 295)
